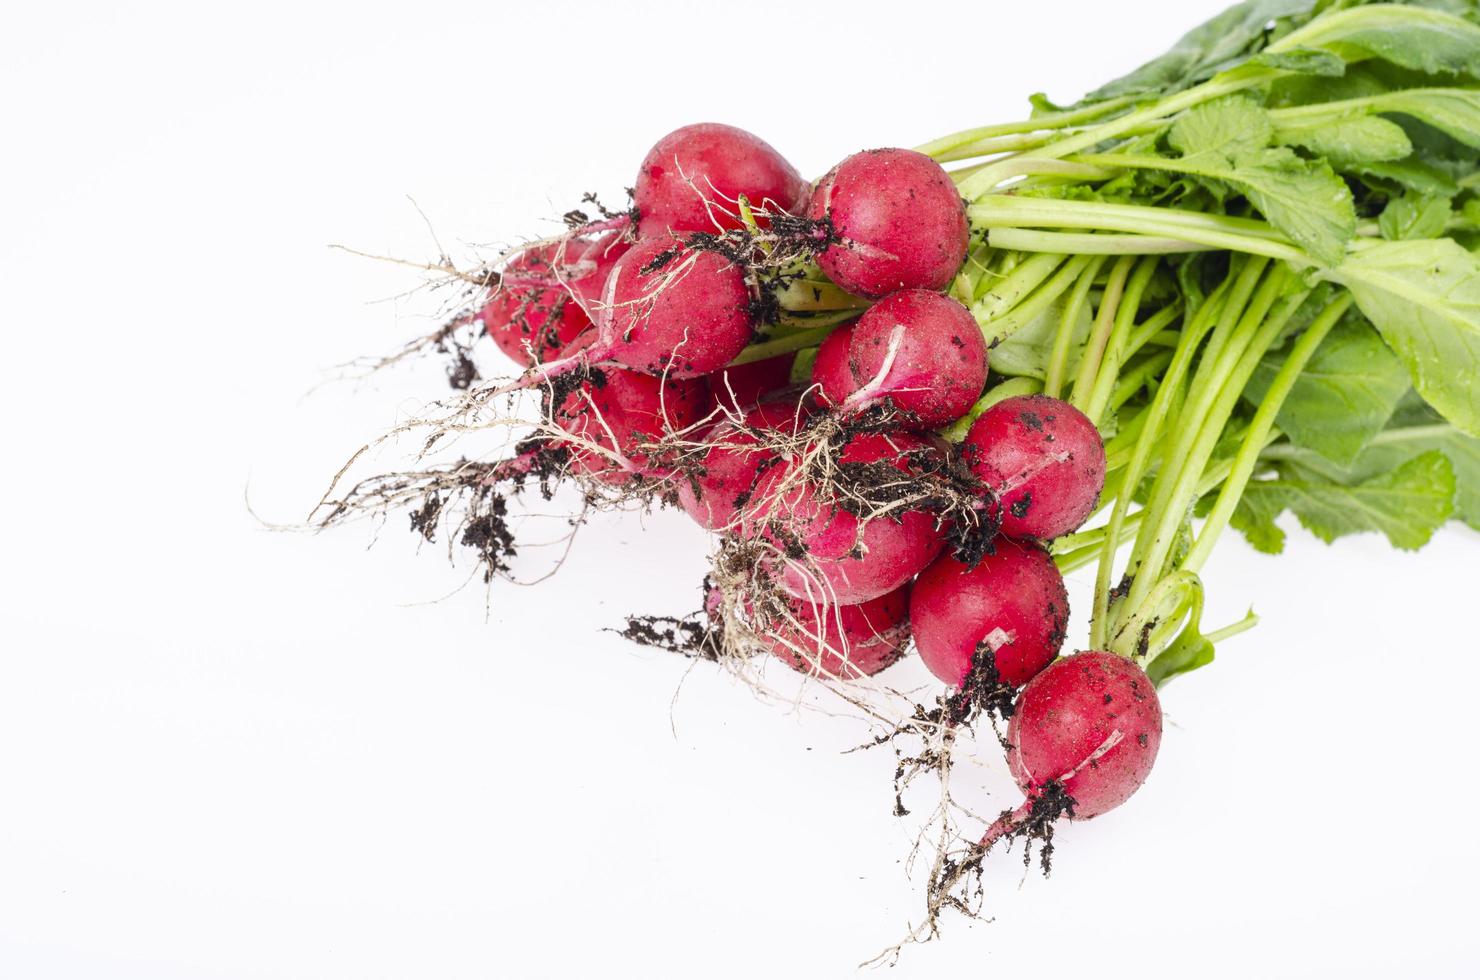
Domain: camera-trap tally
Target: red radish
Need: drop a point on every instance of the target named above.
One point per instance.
(1044, 459)
(922, 351)
(730, 471)
(844, 642)
(525, 319)
(831, 377)
(896, 223)
(831, 554)
(672, 311)
(619, 411)
(1081, 742)
(693, 178)
(743, 386)
(1011, 607)
(588, 264)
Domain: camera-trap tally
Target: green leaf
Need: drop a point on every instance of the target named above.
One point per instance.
(1225, 127)
(1430, 41)
(1343, 398)
(1216, 45)
(1424, 298)
(1026, 351)
(1411, 435)
(1254, 517)
(1453, 111)
(1302, 61)
(1357, 139)
(1413, 174)
(1414, 216)
(1407, 504)
(1226, 141)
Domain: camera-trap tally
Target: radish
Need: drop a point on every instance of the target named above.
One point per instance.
(621, 410)
(998, 622)
(743, 386)
(729, 471)
(692, 179)
(672, 311)
(894, 221)
(588, 264)
(830, 553)
(843, 642)
(1081, 742)
(531, 323)
(832, 379)
(1045, 461)
(921, 351)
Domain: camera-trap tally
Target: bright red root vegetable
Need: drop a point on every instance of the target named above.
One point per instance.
(896, 221)
(923, 352)
(845, 559)
(832, 379)
(850, 642)
(588, 264)
(743, 386)
(1081, 742)
(1044, 459)
(688, 315)
(1000, 622)
(525, 319)
(693, 178)
(632, 409)
(731, 472)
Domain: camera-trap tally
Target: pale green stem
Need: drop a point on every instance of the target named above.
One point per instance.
(1059, 357)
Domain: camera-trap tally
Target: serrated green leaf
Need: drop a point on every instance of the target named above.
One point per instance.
(1343, 398)
(1226, 127)
(1414, 216)
(1411, 435)
(1254, 518)
(1407, 505)
(1358, 139)
(1424, 298)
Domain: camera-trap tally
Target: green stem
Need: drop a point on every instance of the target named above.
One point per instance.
(1047, 121)
(1215, 231)
(1115, 351)
(1259, 430)
(1004, 325)
(800, 340)
(1009, 290)
(1074, 243)
(1099, 332)
(1059, 357)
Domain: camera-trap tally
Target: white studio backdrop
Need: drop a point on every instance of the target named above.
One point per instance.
(228, 752)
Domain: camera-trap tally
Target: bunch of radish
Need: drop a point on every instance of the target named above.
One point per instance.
(907, 397)
(814, 476)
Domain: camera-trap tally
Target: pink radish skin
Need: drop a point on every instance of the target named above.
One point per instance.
(1088, 727)
(589, 264)
(731, 472)
(742, 387)
(921, 351)
(841, 564)
(1045, 461)
(897, 223)
(851, 641)
(524, 319)
(693, 178)
(1012, 603)
(687, 318)
(635, 409)
(832, 378)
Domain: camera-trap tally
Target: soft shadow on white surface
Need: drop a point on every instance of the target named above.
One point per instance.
(228, 752)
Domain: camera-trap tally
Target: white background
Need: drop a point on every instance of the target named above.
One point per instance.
(231, 752)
